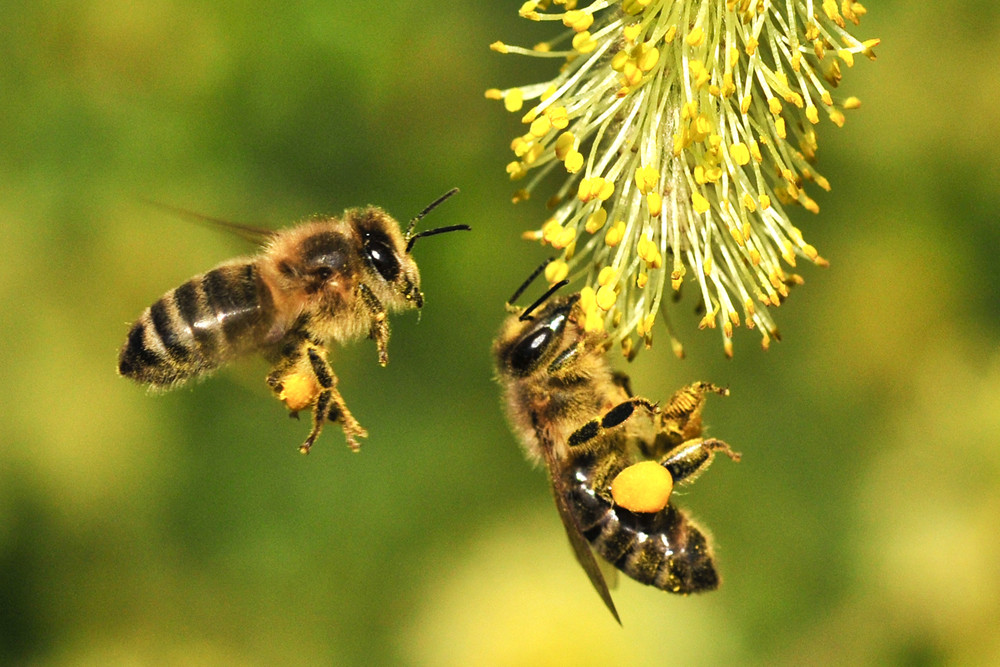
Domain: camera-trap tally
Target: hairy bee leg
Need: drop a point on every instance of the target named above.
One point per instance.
(604, 472)
(291, 361)
(688, 460)
(610, 419)
(380, 322)
(319, 411)
(330, 403)
(682, 413)
(679, 420)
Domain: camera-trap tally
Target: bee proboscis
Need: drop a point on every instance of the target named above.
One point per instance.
(328, 279)
(576, 415)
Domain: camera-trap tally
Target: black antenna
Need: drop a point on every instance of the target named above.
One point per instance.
(526, 315)
(530, 279)
(434, 232)
(411, 237)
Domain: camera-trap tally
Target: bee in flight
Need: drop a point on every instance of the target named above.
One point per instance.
(326, 279)
(572, 412)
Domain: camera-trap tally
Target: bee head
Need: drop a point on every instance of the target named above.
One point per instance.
(387, 251)
(393, 275)
(528, 343)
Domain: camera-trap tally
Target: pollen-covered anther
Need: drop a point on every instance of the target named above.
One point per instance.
(596, 220)
(677, 277)
(646, 178)
(584, 42)
(606, 276)
(565, 238)
(631, 74)
(615, 234)
(646, 249)
(578, 20)
(564, 144)
(654, 203)
(527, 11)
(700, 203)
(606, 297)
(517, 170)
(740, 153)
(573, 161)
(695, 37)
(558, 117)
(699, 73)
(556, 270)
(593, 318)
(513, 100)
(596, 187)
(645, 327)
(648, 58)
(551, 230)
(540, 127)
(708, 320)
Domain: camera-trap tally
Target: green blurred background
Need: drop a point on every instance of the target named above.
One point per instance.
(862, 525)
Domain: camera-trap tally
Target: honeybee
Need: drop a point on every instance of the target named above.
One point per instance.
(578, 417)
(326, 279)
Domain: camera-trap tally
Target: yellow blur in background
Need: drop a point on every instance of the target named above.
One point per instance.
(861, 526)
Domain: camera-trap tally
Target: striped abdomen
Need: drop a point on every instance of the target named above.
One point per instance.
(198, 326)
(661, 549)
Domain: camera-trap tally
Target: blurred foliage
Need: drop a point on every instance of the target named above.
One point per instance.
(861, 526)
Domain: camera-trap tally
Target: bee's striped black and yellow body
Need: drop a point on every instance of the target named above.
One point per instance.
(575, 414)
(662, 549)
(195, 328)
(324, 280)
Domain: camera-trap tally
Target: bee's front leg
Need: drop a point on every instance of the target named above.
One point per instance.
(614, 417)
(380, 322)
(590, 434)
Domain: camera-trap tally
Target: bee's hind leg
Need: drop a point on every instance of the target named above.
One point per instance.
(330, 405)
(678, 443)
(305, 379)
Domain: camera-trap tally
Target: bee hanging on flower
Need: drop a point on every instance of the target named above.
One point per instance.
(682, 131)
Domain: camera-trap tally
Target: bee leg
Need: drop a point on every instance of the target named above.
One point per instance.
(610, 419)
(380, 322)
(330, 405)
(688, 460)
(616, 416)
(680, 419)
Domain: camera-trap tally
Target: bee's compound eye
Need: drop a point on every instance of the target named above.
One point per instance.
(382, 258)
(529, 350)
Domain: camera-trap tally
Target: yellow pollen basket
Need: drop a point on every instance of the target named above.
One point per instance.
(298, 391)
(643, 487)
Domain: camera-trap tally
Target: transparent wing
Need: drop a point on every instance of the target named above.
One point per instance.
(584, 555)
(256, 235)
